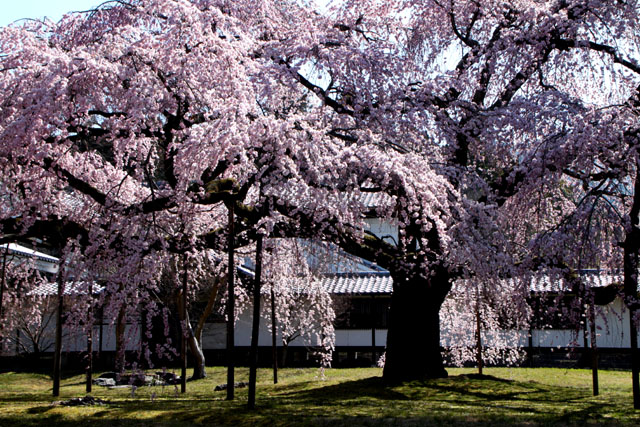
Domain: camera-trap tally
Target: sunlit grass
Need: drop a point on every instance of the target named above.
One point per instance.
(343, 397)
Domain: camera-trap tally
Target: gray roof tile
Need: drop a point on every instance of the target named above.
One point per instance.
(27, 252)
(382, 283)
(358, 284)
(71, 288)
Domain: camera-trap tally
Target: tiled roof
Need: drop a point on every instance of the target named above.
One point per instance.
(382, 283)
(375, 200)
(24, 251)
(364, 283)
(70, 288)
(71, 200)
(546, 283)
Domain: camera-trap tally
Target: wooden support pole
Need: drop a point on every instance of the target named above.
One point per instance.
(594, 348)
(101, 332)
(274, 348)
(479, 360)
(373, 330)
(2, 283)
(231, 307)
(184, 329)
(57, 356)
(89, 379)
(255, 329)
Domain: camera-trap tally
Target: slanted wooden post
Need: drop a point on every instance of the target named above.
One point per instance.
(231, 307)
(255, 329)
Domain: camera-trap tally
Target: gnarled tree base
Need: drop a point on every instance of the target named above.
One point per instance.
(413, 338)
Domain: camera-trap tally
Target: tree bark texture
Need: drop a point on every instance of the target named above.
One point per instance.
(413, 337)
(283, 361)
(194, 344)
(635, 363)
(199, 365)
(213, 295)
(631, 248)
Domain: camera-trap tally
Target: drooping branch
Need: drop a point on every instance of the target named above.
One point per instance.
(566, 44)
(323, 95)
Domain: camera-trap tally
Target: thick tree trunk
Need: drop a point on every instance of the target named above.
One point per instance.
(194, 344)
(286, 340)
(195, 338)
(199, 365)
(413, 337)
(631, 293)
(635, 363)
(283, 362)
(213, 296)
(631, 248)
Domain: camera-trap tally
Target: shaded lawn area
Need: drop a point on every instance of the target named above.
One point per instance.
(347, 397)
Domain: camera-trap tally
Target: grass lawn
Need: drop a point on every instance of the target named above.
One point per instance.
(347, 397)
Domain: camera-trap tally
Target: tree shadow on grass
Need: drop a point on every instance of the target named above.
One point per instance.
(372, 387)
(38, 410)
(483, 377)
(457, 400)
(486, 397)
(508, 396)
(491, 388)
(66, 385)
(25, 397)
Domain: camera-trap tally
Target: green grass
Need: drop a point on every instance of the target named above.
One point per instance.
(347, 397)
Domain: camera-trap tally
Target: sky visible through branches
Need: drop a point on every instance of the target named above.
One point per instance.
(14, 10)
